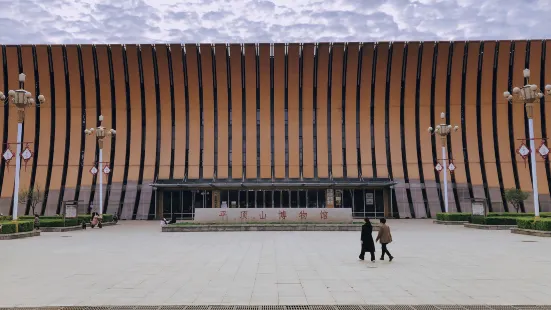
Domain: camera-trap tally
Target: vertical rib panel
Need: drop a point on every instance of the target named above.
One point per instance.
(222, 93)
(265, 156)
(535, 74)
(392, 128)
(30, 120)
(67, 129)
(166, 112)
(236, 114)
(93, 201)
(471, 153)
(379, 110)
(424, 119)
(351, 72)
(545, 70)
(194, 111)
(104, 80)
(208, 111)
(321, 111)
(293, 113)
(179, 111)
(113, 142)
(250, 86)
(4, 114)
(307, 110)
(517, 120)
(150, 127)
(365, 109)
(119, 119)
(279, 110)
(486, 139)
(335, 102)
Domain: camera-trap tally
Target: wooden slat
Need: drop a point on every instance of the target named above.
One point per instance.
(194, 111)
(365, 110)
(136, 118)
(336, 110)
(379, 119)
(179, 111)
(279, 110)
(394, 110)
(307, 110)
(208, 111)
(518, 120)
(350, 106)
(30, 117)
(122, 133)
(166, 115)
(13, 73)
(321, 121)
(439, 107)
(293, 112)
(265, 138)
(222, 93)
(250, 93)
(237, 119)
(487, 121)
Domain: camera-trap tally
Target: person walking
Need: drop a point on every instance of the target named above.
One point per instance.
(385, 237)
(367, 240)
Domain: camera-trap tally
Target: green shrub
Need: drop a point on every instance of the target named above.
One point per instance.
(525, 223)
(58, 222)
(500, 220)
(23, 226)
(453, 217)
(4, 218)
(511, 214)
(543, 224)
(478, 219)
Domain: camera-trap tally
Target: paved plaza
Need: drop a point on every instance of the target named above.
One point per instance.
(135, 264)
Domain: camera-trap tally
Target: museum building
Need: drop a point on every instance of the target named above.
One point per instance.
(309, 125)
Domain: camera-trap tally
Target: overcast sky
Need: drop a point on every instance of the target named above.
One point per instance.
(154, 21)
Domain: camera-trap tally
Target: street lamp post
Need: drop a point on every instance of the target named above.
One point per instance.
(443, 130)
(22, 99)
(527, 95)
(101, 133)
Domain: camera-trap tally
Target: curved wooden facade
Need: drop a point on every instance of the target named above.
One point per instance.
(275, 112)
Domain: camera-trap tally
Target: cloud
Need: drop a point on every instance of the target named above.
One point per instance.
(154, 21)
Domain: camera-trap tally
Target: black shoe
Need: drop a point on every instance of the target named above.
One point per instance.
(391, 258)
(360, 257)
(382, 258)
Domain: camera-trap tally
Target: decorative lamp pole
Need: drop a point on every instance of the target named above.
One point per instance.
(22, 99)
(528, 95)
(101, 133)
(443, 130)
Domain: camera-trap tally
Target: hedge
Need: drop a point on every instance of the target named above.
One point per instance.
(494, 220)
(82, 217)
(23, 226)
(543, 224)
(58, 222)
(511, 214)
(453, 217)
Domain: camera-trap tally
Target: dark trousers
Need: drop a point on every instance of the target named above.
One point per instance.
(385, 250)
(362, 255)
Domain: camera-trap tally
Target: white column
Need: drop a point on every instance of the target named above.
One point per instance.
(445, 179)
(533, 161)
(17, 168)
(100, 182)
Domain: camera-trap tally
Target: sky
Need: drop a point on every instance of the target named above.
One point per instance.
(231, 21)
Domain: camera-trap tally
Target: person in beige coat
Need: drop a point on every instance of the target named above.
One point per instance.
(385, 237)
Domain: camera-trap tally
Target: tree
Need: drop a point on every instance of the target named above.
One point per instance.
(515, 197)
(32, 196)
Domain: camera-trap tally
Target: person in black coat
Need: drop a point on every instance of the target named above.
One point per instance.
(367, 240)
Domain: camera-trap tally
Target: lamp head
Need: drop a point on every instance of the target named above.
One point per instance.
(506, 94)
(100, 118)
(516, 90)
(442, 115)
(533, 87)
(41, 99)
(11, 93)
(430, 129)
(22, 77)
(456, 128)
(28, 95)
(526, 73)
(2, 96)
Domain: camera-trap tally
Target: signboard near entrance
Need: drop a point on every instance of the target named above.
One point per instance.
(272, 215)
(369, 199)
